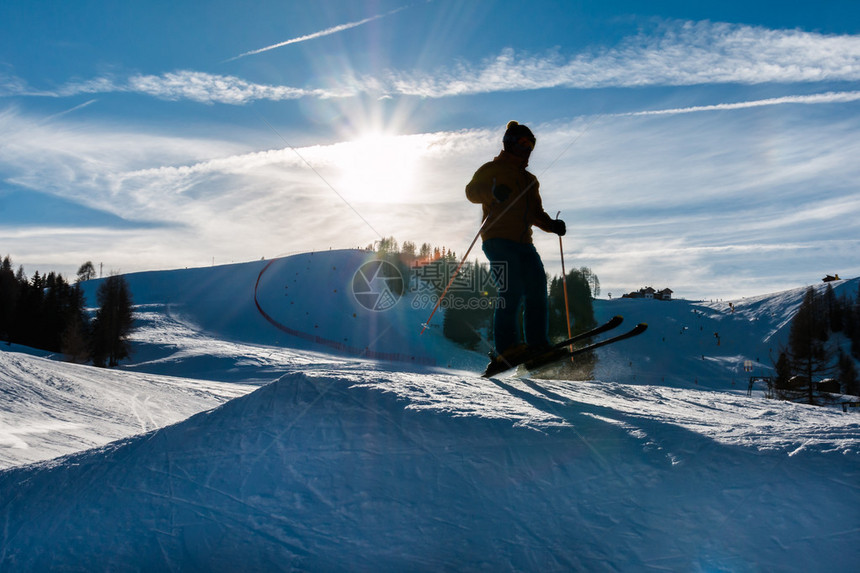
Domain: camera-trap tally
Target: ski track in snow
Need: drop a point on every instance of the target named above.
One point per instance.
(727, 418)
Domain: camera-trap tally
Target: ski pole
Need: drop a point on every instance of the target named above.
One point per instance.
(564, 287)
(454, 276)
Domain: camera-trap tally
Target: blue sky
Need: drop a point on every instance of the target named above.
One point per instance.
(710, 147)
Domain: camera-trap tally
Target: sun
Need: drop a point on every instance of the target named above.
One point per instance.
(378, 167)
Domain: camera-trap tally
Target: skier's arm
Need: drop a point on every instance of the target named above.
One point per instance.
(543, 221)
(480, 188)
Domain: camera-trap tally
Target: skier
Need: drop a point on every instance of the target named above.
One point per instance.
(511, 206)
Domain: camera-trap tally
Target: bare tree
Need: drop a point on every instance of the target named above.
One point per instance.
(86, 272)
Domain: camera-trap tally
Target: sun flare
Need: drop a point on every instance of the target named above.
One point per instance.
(378, 168)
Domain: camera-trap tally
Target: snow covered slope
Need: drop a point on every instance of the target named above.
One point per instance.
(205, 325)
(345, 461)
(208, 316)
(50, 408)
(303, 302)
(703, 344)
(421, 472)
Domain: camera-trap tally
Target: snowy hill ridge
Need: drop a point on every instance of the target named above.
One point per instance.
(302, 301)
(705, 344)
(306, 302)
(341, 462)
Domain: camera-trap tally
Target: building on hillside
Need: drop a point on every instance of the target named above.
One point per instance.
(650, 293)
(831, 278)
(829, 385)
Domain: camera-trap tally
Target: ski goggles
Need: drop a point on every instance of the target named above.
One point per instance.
(526, 143)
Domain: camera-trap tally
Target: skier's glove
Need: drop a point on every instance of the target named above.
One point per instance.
(558, 227)
(501, 193)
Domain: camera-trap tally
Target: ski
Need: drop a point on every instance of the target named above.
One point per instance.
(561, 353)
(497, 367)
(613, 322)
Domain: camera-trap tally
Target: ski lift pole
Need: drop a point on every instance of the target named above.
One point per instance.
(564, 287)
(454, 276)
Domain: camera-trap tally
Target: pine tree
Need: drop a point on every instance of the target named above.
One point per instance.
(75, 335)
(113, 322)
(783, 373)
(852, 328)
(846, 316)
(467, 304)
(28, 319)
(807, 340)
(579, 284)
(9, 292)
(52, 315)
(387, 245)
(408, 250)
(425, 252)
(848, 375)
(834, 319)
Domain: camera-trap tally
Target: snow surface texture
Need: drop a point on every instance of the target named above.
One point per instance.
(51, 409)
(345, 463)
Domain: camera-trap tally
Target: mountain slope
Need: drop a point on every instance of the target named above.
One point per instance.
(345, 461)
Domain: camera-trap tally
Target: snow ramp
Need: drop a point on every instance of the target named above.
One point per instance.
(337, 471)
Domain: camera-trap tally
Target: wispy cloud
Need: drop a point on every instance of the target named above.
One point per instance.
(200, 87)
(191, 85)
(682, 54)
(320, 34)
(12, 85)
(210, 88)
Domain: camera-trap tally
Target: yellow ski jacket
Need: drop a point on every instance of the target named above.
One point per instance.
(513, 218)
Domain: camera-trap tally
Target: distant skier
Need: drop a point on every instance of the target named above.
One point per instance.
(512, 205)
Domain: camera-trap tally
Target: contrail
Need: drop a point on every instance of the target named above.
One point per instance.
(315, 35)
(76, 108)
(829, 97)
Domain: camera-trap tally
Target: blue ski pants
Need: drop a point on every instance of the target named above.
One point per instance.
(520, 277)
